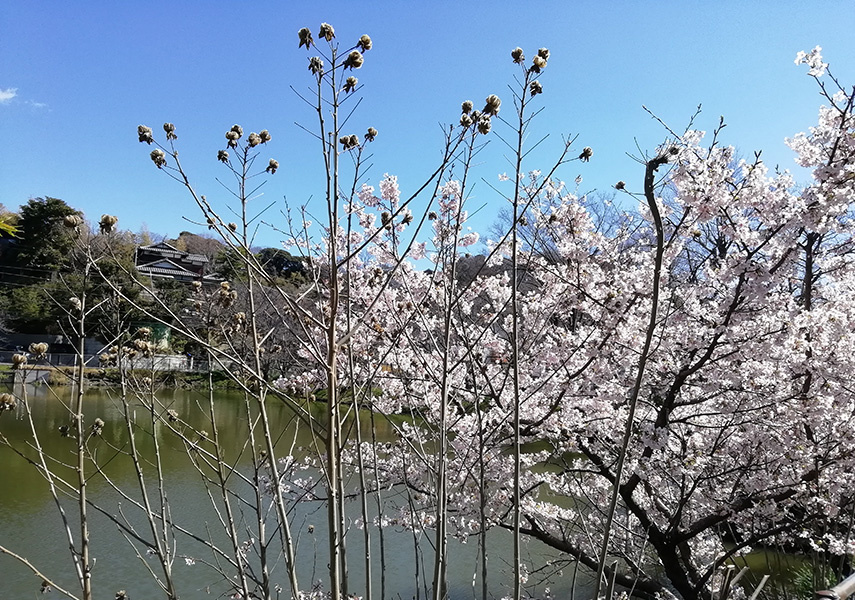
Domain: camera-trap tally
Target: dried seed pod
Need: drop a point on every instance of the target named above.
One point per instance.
(305, 38)
(354, 60)
(38, 350)
(7, 402)
(492, 105)
(72, 221)
(484, 125)
(538, 63)
(158, 157)
(364, 43)
(327, 32)
(145, 134)
(108, 222)
(316, 65)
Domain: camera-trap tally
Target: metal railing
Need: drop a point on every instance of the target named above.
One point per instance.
(841, 591)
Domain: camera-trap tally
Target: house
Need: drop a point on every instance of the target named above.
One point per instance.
(165, 261)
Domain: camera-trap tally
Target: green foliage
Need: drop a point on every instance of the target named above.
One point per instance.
(43, 241)
(28, 309)
(281, 266)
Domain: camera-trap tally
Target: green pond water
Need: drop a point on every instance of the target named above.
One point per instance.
(30, 524)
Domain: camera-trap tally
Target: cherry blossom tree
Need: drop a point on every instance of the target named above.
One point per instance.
(680, 381)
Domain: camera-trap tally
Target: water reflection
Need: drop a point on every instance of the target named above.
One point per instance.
(31, 525)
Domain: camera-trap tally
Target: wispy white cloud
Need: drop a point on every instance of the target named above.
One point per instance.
(7, 94)
(35, 104)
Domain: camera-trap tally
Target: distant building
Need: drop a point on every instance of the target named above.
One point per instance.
(168, 262)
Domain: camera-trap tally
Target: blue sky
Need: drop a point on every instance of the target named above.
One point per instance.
(77, 78)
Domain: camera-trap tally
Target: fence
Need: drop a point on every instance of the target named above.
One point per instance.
(157, 362)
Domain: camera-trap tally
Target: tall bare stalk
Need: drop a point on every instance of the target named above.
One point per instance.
(649, 193)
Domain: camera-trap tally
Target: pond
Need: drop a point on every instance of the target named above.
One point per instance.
(31, 525)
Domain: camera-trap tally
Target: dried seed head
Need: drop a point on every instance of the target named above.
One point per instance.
(466, 107)
(98, 426)
(264, 135)
(517, 55)
(145, 134)
(222, 156)
(327, 32)
(354, 60)
(232, 137)
(172, 415)
(158, 157)
(535, 88)
(364, 43)
(272, 166)
(350, 84)
(587, 153)
(232, 227)
(492, 105)
(465, 120)
(316, 65)
(484, 125)
(72, 221)
(144, 333)
(108, 222)
(537, 64)
(224, 285)
(543, 53)
(370, 134)
(620, 185)
(348, 141)
(7, 402)
(75, 303)
(305, 38)
(432, 216)
(237, 129)
(169, 128)
(38, 350)
(253, 140)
